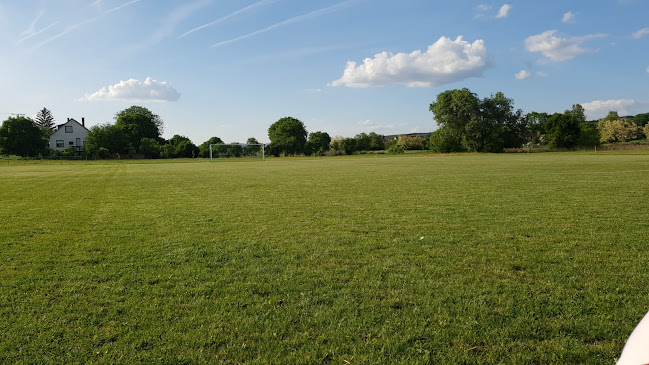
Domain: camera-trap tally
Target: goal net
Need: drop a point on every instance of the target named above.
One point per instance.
(250, 150)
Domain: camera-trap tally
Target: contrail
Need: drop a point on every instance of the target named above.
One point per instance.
(243, 10)
(296, 19)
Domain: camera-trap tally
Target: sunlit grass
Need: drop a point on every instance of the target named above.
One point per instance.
(518, 258)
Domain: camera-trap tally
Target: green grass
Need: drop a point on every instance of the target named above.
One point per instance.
(525, 258)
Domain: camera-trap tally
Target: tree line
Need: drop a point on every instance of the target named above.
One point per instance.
(465, 123)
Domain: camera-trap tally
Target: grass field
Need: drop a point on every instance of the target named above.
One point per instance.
(473, 259)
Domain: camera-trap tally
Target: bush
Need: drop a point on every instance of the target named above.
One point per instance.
(395, 149)
(103, 153)
(446, 140)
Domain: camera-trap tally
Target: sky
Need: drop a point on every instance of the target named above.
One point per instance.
(231, 68)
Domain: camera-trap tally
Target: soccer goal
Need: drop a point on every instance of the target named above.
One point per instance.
(222, 150)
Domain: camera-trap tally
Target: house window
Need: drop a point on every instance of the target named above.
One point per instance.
(60, 143)
(71, 143)
(68, 129)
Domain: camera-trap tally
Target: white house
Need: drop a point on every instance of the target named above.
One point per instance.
(69, 134)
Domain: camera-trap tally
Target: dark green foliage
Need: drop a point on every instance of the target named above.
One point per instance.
(181, 147)
(45, 119)
(20, 136)
(348, 145)
(288, 135)
(70, 151)
(103, 153)
(536, 126)
(108, 136)
(447, 140)
(588, 134)
(641, 119)
(486, 125)
(204, 148)
(562, 130)
(138, 122)
(273, 150)
(318, 143)
(150, 148)
(252, 148)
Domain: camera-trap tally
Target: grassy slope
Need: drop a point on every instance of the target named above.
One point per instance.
(535, 258)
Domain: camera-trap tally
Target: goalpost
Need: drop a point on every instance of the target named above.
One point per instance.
(239, 150)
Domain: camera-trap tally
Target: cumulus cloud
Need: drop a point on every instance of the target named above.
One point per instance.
(569, 17)
(136, 90)
(641, 33)
(599, 108)
(542, 74)
(522, 75)
(446, 61)
(558, 49)
(504, 11)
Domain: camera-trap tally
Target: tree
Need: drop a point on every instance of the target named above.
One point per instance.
(150, 148)
(182, 147)
(376, 141)
(562, 130)
(588, 134)
(139, 122)
(20, 136)
(536, 126)
(318, 143)
(486, 125)
(108, 136)
(618, 130)
(44, 119)
(252, 149)
(447, 140)
(348, 145)
(363, 142)
(410, 142)
(642, 119)
(288, 135)
(646, 130)
(204, 148)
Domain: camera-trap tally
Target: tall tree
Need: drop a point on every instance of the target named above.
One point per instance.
(20, 136)
(288, 135)
(562, 130)
(204, 148)
(44, 118)
(485, 125)
(317, 144)
(139, 122)
(108, 136)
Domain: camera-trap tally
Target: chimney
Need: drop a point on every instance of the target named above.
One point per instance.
(83, 121)
(68, 119)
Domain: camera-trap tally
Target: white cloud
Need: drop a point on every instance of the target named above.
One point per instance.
(542, 74)
(370, 126)
(558, 49)
(641, 33)
(647, 68)
(599, 108)
(446, 61)
(504, 11)
(569, 17)
(135, 90)
(523, 74)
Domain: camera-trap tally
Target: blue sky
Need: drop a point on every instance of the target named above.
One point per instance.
(231, 68)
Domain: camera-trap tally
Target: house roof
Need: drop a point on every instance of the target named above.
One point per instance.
(68, 122)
